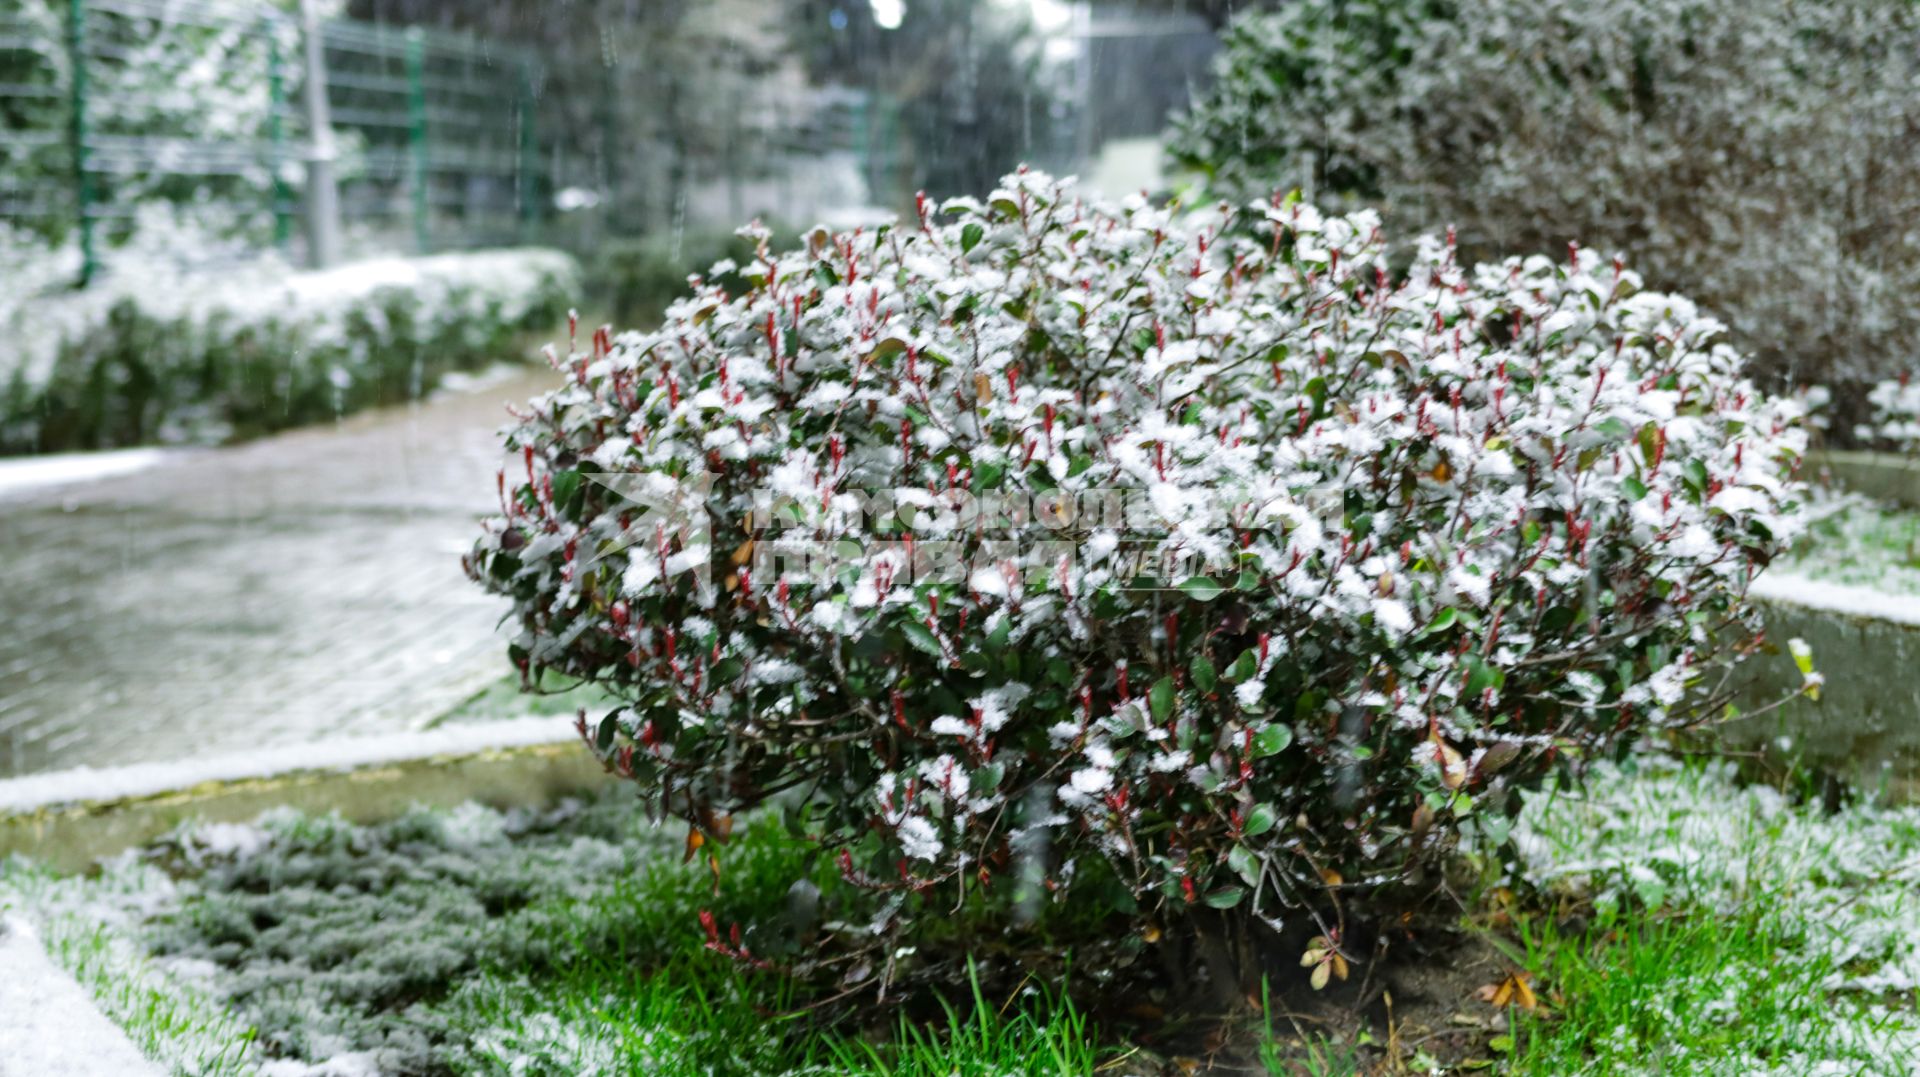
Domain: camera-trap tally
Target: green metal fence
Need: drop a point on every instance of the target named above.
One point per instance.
(107, 106)
(443, 134)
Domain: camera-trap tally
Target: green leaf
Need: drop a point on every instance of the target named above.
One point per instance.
(603, 737)
(1260, 820)
(1160, 698)
(1205, 677)
(1696, 473)
(1649, 441)
(970, 236)
(1242, 861)
(1480, 677)
(1244, 667)
(565, 485)
(725, 671)
(1317, 392)
(1226, 897)
(1441, 622)
(1272, 740)
(1615, 428)
(1634, 488)
(1200, 588)
(985, 780)
(919, 635)
(998, 638)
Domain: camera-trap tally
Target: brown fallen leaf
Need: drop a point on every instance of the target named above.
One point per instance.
(1514, 990)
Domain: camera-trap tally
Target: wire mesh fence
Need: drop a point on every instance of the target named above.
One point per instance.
(438, 137)
(115, 105)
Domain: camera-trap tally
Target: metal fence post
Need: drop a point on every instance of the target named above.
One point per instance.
(323, 196)
(77, 115)
(417, 131)
(277, 138)
(529, 153)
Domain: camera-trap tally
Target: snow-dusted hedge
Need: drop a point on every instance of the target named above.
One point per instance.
(1432, 535)
(1756, 154)
(1895, 414)
(158, 354)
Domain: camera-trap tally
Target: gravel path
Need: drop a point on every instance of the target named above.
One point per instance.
(272, 593)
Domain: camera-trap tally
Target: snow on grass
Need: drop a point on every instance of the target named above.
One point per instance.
(1732, 929)
(1744, 881)
(32, 473)
(1858, 544)
(83, 785)
(48, 1026)
(90, 927)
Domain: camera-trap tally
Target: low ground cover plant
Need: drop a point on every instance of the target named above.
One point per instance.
(1193, 566)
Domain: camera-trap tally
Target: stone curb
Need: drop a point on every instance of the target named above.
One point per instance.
(1882, 476)
(1865, 727)
(70, 837)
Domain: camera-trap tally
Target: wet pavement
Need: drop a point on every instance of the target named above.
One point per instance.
(287, 590)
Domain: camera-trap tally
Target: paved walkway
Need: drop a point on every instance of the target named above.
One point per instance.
(282, 591)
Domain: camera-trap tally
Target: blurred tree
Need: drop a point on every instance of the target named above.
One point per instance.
(966, 79)
(1760, 156)
(645, 100)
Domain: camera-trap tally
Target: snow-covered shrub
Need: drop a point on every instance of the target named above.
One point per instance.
(1169, 559)
(1757, 155)
(157, 352)
(1895, 417)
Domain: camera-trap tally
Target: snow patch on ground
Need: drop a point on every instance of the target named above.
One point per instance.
(89, 785)
(24, 475)
(1665, 834)
(1843, 598)
(91, 927)
(48, 1025)
(351, 1064)
(1853, 540)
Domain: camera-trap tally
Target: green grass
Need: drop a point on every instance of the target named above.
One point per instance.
(1688, 992)
(505, 699)
(172, 1020)
(1729, 929)
(1862, 545)
(1037, 1035)
(1673, 922)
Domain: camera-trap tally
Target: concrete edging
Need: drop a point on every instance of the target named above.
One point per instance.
(1865, 727)
(1879, 475)
(70, 836)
